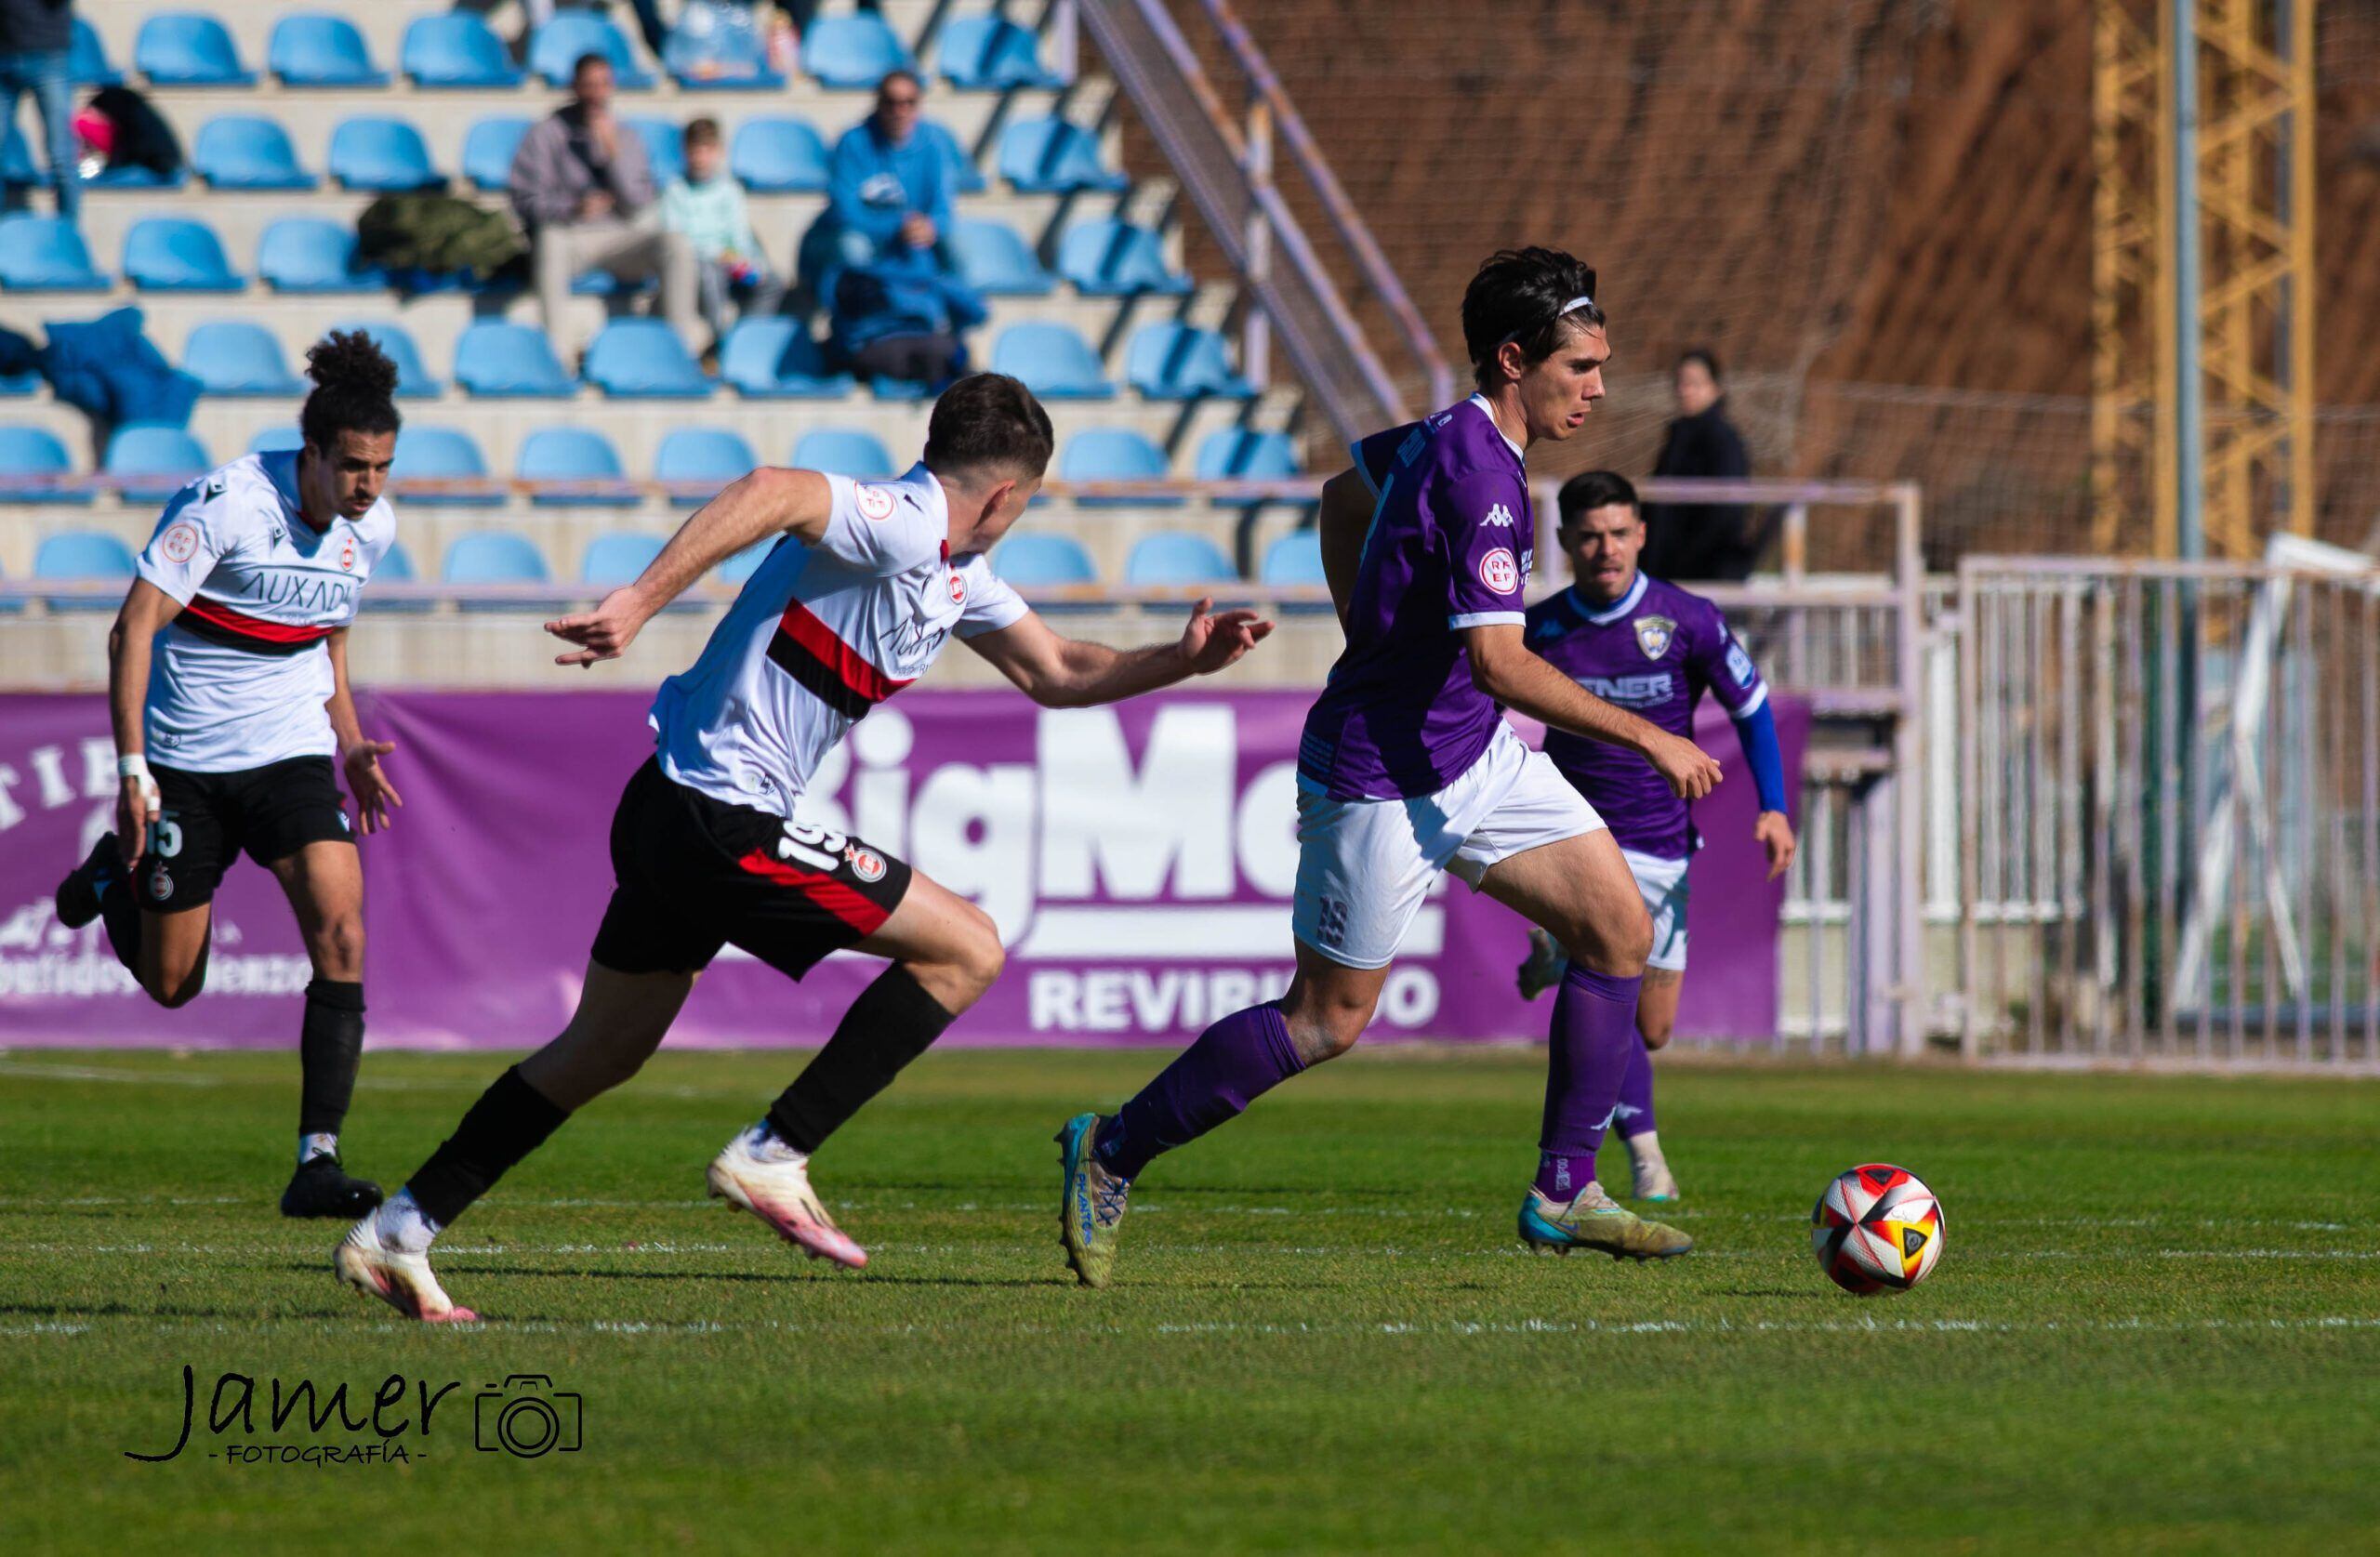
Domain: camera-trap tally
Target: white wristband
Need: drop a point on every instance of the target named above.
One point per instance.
(134, 766)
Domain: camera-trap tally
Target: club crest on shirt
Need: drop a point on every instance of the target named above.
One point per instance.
(347, 554)
(874, 501)
(866, 864)
(1653, 635)
(181, 542)
(957, 589)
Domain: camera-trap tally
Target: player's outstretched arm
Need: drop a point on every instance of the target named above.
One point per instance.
(758, 506)
(1060, 672)
(1504, 667)
(1345, 519)
(131, 642)
(361, 758)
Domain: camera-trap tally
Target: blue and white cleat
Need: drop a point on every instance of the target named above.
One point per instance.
(1591, 1219)
(1090, 1203)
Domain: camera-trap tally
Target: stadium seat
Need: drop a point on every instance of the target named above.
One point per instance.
(775, 359)
(444, 453)
(1115, 454)
(644, 359)
(153, 461)
(580, 463)
(1036, 559)
(618, 557)
(513, 360)
(1110, 258)
(1173, 556)
(77, 555)
(995, 260)
(695, 462)
(35, 467)
(381, 156)
(1050, 156)
(665, 147)
(174, 253)
(745, 563)
(456, 49)
(701, 58)
(42, 254)
(310, 254)
(488, 149)
(1054, 361)
(844, 452)
(86, 58)
(239, 357)
(559, 43)
(1181, 361)
(1238, 453)
(778, 157)
(992, 54)
(414, 380)
(395, 566)
(1296, 558)
(181, 48)
(243, 152)
(853, 51)
(494, 557)
(277, 440)
(314, 50)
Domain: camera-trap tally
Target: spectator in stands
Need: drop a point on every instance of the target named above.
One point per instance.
(893, 177)
(707, 206)
(900, 317)
(35, 39)
(583, 189)
(1689, 541)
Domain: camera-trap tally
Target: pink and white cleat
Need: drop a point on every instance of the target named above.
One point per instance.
(762, 1175)
(401, 1280)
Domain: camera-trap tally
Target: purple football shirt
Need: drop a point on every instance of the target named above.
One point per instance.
(1449, 549)
(1653, 652)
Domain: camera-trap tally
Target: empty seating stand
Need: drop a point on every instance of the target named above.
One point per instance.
(248, 151)
(239, 357)
(852, 51)
(310, 254)
(992, 54)
(183, 49)
(776, 156)
(317, 50)
(174, 253)
(1054, 362)
(455, 49)
(380, 156)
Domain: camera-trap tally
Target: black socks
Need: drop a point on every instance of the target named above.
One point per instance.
(330, 1051)
(510, 1120)
(891, 1023)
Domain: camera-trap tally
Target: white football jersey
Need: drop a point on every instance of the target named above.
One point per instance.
(239, 679)
(819, 636)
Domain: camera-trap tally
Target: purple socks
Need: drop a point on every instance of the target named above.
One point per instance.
(1233, 1064)
(1635, 1115)
(1594, 1033)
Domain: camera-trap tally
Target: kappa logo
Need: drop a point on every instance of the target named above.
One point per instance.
(181, 542)
(875, 502)
(1653, 635)
(1499, 517)
(1500, 570)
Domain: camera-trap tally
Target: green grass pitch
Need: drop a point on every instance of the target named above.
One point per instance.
(2156, 1327)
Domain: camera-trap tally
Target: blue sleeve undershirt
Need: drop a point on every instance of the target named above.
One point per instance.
(1757, 731)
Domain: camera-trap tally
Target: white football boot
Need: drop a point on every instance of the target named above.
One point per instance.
(401, 1280)
(761, 1175)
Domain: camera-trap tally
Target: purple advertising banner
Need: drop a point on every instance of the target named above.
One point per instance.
(1138, 860)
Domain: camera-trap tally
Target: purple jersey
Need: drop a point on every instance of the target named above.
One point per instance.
(1449, 549)
(1652, 651)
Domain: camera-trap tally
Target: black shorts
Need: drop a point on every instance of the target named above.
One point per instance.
(696, 874)
(205, 819)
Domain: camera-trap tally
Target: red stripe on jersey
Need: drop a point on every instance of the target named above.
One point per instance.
(217, 615)
(846, 903)
(850, 666)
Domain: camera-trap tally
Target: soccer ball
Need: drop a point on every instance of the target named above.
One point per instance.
(1876, 1229)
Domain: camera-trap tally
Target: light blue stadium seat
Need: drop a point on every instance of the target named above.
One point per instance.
(1180, 362)
(1110, 258)
(395, 566)
(559, 43)
(35, 467)
(700, 59)
(174, 253)
(995, 260)
(1050, 156)
(153, 461)
(992, 54)
(695, 462)
(79, 555)
(1054, 361)
(316, 50)
(665, 147)
(581, 464)
(1296, 558)
(1114, 454)
(745, 563)
(42, 254)
(183, 49)
(310, 254)
(844, 452)
(1177, 558)
(776, 156)
(414, 378)
(513, 361)
(239, 357)
(852, 51)
(245, 151)
(277, 440)
(381, 156)
(86, 58)
(456, 49)
(644, 359)
(488, 149)
(1035, 560)
(775, 359)
(494, 557)
(618, 557)
(444, 453)
(1238, 453)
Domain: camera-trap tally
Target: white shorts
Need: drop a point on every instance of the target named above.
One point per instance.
(1365, 865)
(1663, 883)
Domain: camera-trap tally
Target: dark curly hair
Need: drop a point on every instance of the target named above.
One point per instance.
(354, 386)
(1521, 295)
(1589, 490)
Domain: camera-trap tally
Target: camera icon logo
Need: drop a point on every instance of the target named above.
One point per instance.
(527, 1417)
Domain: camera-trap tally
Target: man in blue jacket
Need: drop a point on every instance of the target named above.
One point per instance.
(894, 176)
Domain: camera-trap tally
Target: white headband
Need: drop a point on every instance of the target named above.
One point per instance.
(1564, 311)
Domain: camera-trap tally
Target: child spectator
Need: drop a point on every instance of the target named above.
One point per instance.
(707, 206)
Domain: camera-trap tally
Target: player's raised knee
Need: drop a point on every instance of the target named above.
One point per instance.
(1618, 944)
